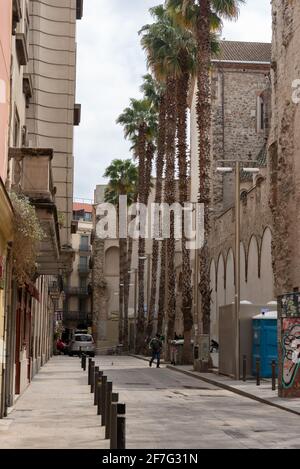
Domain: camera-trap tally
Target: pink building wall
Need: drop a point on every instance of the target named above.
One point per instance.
(5, 57)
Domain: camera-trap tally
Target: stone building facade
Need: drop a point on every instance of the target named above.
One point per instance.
(241, 112)
(284, 144)
(78, 305)
(36, 160)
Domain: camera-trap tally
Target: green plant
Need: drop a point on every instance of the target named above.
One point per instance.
(27, 234)
(61, 219)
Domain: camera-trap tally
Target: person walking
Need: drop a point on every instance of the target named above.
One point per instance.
(155, 346)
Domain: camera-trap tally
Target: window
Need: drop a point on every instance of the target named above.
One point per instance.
(84, 243)
(16, 129)
(260, 114)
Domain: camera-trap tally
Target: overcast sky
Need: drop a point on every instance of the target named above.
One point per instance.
(110, 65)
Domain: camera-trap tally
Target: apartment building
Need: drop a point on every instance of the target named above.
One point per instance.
(6, 210)
(78, 306)
(42, 113)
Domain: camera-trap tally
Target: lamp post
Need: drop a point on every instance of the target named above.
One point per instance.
(236, 166)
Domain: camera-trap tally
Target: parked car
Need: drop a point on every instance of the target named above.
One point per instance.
(82, 343)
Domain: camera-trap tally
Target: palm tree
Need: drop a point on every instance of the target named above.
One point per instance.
(123, 176)
(155, 92)
(157, 40)
(172, 56)
(140, 126)
(201, 17)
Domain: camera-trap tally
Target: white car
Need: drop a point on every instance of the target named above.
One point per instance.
(82, 343)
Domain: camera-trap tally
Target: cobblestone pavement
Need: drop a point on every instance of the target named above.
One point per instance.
(165, 409)
(56, 411)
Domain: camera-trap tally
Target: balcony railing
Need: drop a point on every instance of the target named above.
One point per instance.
(84, 269)
(78, 316)
(84, 248)
(77, 291)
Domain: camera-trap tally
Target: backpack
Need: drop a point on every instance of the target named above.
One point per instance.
(155, 344)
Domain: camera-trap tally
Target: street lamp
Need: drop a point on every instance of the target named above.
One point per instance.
(236, 166)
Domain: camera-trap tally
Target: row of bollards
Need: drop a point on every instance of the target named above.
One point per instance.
(107, 403)
(258, 372)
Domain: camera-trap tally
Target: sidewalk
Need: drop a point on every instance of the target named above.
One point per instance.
(262, 393)
(55, 412)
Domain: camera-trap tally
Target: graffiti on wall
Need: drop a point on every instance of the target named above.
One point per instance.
(289, 305)
(290, 351)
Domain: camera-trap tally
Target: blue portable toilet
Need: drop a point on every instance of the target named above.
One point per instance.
(264, 342)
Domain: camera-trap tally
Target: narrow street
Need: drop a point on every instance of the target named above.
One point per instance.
(165, 409)
(55, 412)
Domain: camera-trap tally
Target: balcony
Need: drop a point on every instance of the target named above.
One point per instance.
(84, 248)
(17, 15)
(32, 176)
(78, 291)
(79, 9)
(84, 270)
(77, 316)
(77, 114)
(22, 49)
(27, 88)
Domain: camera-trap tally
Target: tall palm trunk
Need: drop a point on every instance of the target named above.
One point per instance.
(127, 268)
(122, 258)
(141, 250)
(162, 288)
(204, 126)
(160, 160)
(170, 199)
(182, 106)
(127, 286)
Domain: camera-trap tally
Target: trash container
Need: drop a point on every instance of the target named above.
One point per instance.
(264, 342)
(176, 351)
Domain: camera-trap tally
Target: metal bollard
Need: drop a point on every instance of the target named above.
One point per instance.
(96, 376)
(114, 426)
(89, 371)
(99, 395)
(103, 400)
(84, 362)
(121, 426)
(108, 402)
(244, 368)
(273, 375)
(92, 376)
(109, 430)
(257, 372)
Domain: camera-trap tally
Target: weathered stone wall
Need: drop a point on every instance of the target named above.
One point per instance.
(255, 218)
(284, 145)
(235, 134)
(256, 275)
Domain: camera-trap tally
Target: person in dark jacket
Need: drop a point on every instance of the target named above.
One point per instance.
(155, 347)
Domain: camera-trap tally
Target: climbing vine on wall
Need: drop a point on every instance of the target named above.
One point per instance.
(27, 235)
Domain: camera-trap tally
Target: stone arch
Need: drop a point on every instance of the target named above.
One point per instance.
(213, 302)
(243, 273)
(253, 281)
(229, 268)
(266, 269)
(252, 239)
(111, 263)
(220, 281)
